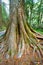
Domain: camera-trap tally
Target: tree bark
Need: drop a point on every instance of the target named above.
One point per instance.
(19, 36)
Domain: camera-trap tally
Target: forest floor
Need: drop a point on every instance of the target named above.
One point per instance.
(26, 59)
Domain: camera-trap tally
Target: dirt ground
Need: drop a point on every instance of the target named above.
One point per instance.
(26, 59)
(23, 61)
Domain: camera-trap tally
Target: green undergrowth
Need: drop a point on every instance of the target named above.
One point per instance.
(39, 31)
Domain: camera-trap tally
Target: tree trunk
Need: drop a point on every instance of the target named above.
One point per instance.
(0, 14)
(19, 37)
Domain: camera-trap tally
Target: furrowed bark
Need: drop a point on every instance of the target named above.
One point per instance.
(26, 30)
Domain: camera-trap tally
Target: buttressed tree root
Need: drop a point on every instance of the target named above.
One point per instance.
(21, 38)
(26, 34)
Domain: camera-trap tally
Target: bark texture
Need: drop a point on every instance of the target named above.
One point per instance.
(19, 38)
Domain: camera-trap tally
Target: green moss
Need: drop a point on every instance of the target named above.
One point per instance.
(39, 31)
(0, 60)
(2, 28)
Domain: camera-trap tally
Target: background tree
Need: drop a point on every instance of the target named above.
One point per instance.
(0, 14)
(36, 15)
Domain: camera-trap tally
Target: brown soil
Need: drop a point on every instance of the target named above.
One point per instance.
(26, 59)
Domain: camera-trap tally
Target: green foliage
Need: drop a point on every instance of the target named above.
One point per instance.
(2, 28)
(4, 13)
(5, 17)
(34, 12)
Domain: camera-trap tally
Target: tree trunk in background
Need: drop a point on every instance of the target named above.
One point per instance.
(39, 14)
(0, 14)
(1, 17)
(31, 10)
